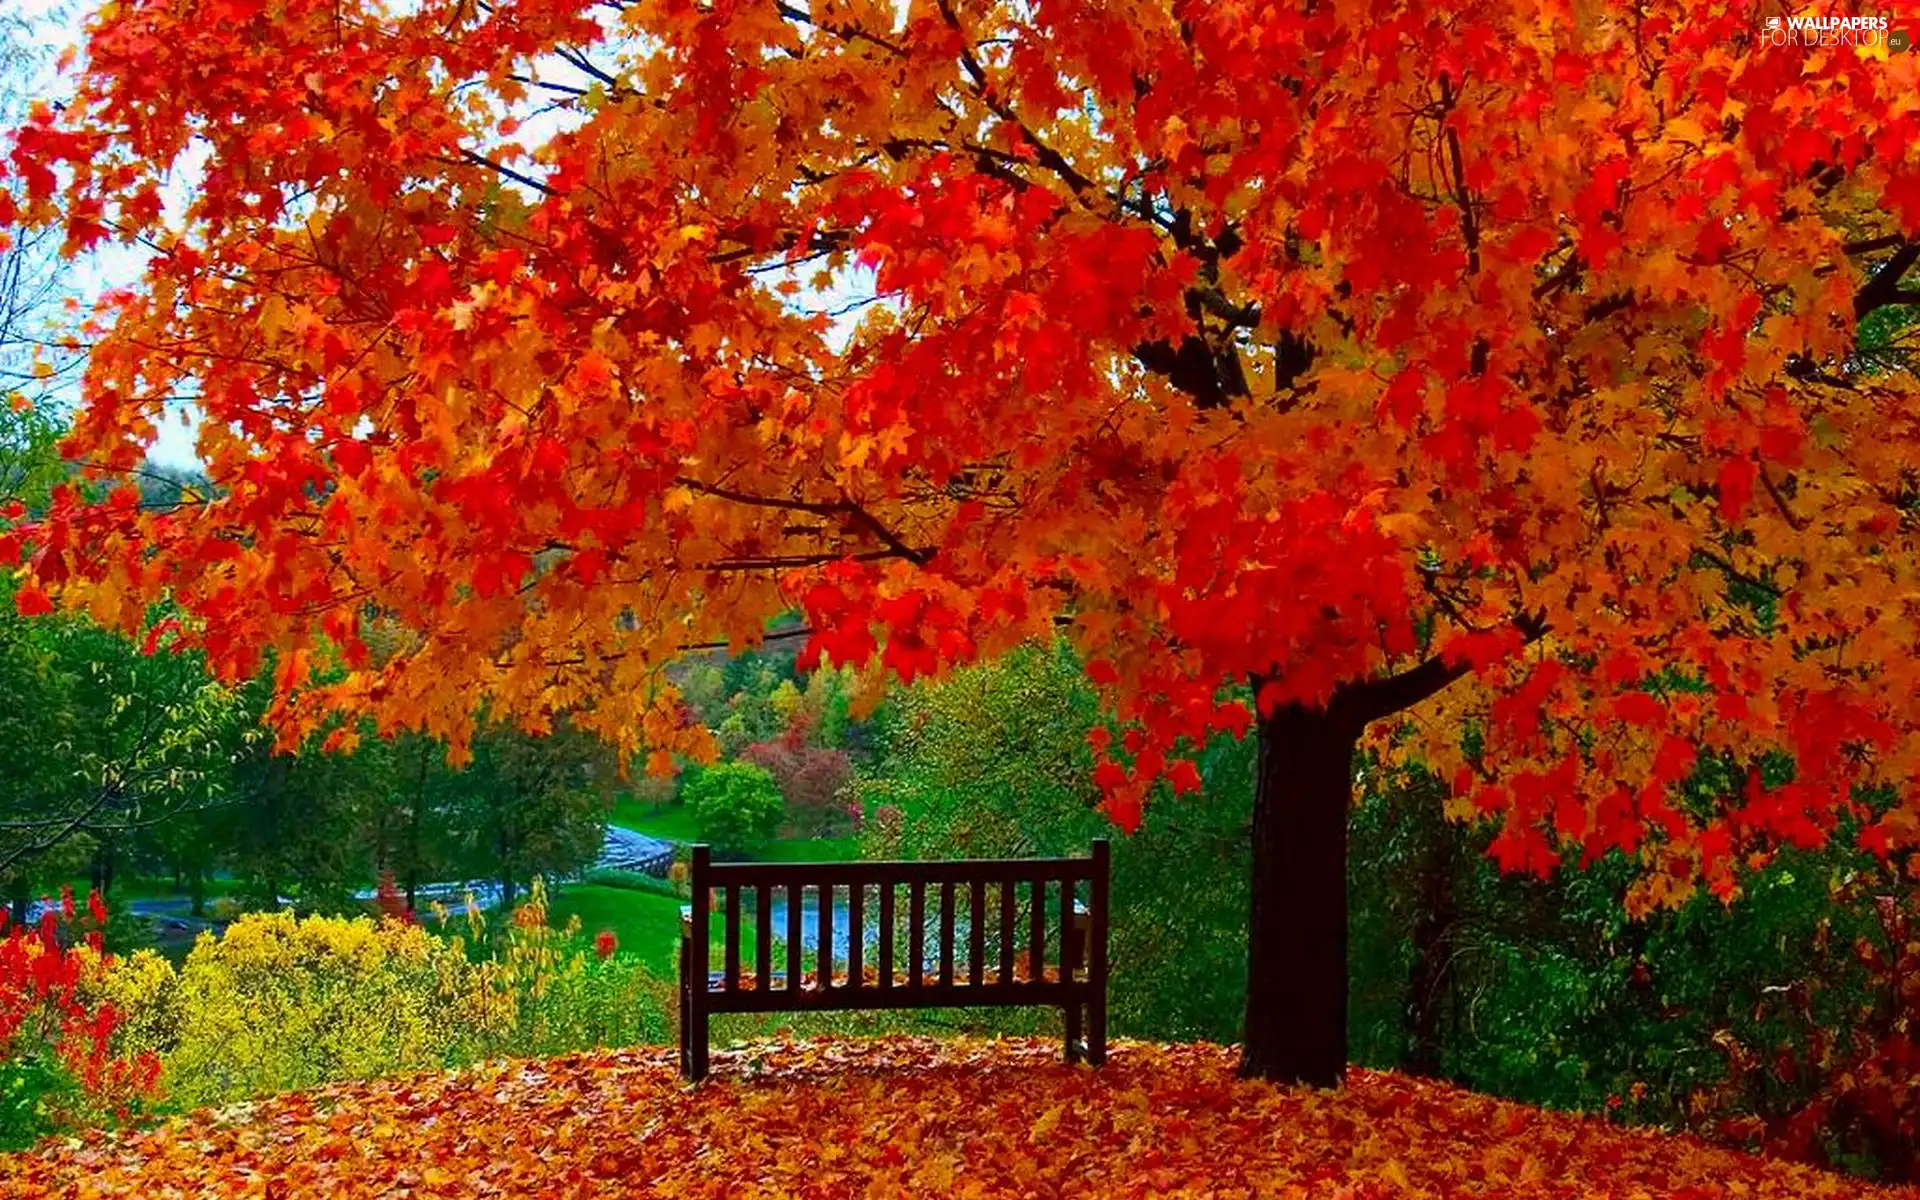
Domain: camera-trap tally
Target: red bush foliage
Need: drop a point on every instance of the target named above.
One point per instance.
(812, 780)
(47, 1014)
(387, 898)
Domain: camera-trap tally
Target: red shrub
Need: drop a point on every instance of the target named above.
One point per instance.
(812, 780)
(390, 902)
(45, 1013)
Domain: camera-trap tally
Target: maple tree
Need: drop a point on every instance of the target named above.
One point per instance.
(1348, 350)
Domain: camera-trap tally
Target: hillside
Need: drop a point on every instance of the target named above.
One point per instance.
(896, 1117)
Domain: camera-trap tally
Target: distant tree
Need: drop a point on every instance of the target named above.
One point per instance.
(525, 805)
(33, 275)
(812, 779)
(106, 740)
(736, 806)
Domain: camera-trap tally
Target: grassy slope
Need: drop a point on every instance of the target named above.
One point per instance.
(674, 823)
(646, 923)
(901, 1117)
(669, 821)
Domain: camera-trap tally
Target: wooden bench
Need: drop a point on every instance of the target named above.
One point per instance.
(921, 958)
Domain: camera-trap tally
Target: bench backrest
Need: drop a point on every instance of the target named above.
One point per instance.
(966, 931)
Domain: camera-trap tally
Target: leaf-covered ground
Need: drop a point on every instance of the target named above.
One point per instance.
(896, 1117)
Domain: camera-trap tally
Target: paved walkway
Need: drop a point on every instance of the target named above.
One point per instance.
(630, 850)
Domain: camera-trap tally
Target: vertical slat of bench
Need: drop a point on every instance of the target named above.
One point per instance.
(916, 932)
(733, 938)
(1037, 931)
(823, 953)
(977, 934)
(1097, 957)
(1007, 890)
(886, 934)
(796, 896)
(696, 1014)
(763, 936)
(856, 935)
(1070, 950)
(946, 935)
(686, 1005)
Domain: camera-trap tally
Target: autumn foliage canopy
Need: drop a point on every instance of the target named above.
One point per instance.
(1316, 344)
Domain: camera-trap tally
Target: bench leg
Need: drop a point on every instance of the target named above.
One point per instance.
(686, 1015)
(697, 1059)
(1073, 1031)
(1097, 1030)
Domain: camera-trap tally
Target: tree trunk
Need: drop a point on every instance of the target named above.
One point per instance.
(413, 831)
(21, 901)
(198, 881)
(1296, 1022)
(1431, 976)
(282, 767)
(504, 850)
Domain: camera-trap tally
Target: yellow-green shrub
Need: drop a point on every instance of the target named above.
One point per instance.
(535, 990)
(144, 989)
(279, 1002)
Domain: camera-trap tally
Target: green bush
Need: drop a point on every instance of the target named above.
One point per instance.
(993, 761)
(31, 1091)
(736, 806)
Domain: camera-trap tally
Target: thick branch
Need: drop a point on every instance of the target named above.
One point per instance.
(1469, 223)
(1377, 698)
(897, 547)
(1884, 288)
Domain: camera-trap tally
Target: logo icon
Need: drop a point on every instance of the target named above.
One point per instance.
(1899, 42)
(1773, 23)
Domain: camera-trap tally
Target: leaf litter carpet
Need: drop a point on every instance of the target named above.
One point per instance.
(895, 1117)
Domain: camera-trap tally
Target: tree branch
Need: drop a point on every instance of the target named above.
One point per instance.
(1884, 288)
(1379, 698)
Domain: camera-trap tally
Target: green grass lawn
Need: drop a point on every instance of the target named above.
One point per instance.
(671, 822)
(646, 923)
(135, 887)
(674, 823)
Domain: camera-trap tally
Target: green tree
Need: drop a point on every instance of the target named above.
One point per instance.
(994, 760)
(111, 740)
(525, 805)
(736, 806)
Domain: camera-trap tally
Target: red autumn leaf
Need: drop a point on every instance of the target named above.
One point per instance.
(1735, 486)
(922, 1111)
(1184, 776)
(30, 601)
